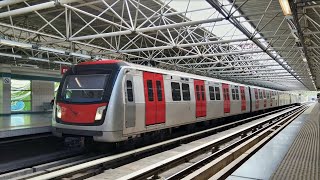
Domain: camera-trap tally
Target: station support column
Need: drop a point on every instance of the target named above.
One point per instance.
(5, 89)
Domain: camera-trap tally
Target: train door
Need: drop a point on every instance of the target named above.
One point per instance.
(250, 99)
(264, 98)
(130, 105)
(154, 98)
(256, 98)
(200, 94)
(243, 98)
(160, 100)
(226, 98)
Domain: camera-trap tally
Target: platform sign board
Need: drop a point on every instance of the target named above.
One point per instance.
(64, 69)
(6, 80)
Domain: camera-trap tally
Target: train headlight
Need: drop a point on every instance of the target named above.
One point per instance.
(58, 111)
(99, 113)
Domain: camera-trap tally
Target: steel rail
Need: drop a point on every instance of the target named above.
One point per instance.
(24, 138)
(133, 153)
(166, 164)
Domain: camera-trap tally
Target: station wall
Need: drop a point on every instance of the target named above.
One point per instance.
(42, 92)
(5, 90)
(41, 84)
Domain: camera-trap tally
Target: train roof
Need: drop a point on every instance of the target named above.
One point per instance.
(188, 75)
(168, 72)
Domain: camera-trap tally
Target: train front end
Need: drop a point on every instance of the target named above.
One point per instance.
(85, 100)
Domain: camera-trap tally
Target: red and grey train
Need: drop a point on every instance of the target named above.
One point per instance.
(113, 100)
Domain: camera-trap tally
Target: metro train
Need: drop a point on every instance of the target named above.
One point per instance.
(112, 100)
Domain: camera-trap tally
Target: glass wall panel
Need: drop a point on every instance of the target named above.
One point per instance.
(56, 87)
(20, 95)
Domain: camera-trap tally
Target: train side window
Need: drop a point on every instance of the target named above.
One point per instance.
(175, 88)
(227, 94)
(198, 92)
(129, 91)
(242, 94)
(150, 90)
(217, 91)
(237, 93)
(185, 92)
(159, 90)
(202, 92)
(211, 93)
(260, 94)
(233, 94)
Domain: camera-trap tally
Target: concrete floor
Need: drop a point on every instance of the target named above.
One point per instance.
(265, 162)
(24, 124)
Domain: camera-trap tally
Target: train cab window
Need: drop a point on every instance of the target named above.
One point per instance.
(198, 92)
(185, 92)
(129, 91)
(175, 89)
(202, 93)
(211, 93)
(217, 91)
(84, 88)
(159, 90)
(150, 90)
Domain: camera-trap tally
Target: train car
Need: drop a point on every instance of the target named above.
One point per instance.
(112, 100)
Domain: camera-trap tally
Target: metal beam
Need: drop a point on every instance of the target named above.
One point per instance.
(233, 67)
(247, 70)
(10, 2)
(33, 59)
(238, 25)
(183, 45)
(206, 55)
(146, 29)
(33, 8)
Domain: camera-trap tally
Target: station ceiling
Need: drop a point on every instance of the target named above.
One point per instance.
(247, 41)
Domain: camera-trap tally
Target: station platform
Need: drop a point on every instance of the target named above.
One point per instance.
(292, 154)
(24, 124)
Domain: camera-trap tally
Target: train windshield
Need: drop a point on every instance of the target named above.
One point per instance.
(84, 88)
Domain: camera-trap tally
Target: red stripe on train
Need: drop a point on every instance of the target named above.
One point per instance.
(79, 113)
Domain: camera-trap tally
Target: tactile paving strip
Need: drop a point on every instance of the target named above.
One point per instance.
(303, 159)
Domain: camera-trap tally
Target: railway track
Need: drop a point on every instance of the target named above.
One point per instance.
(24, 138)
(221, 162)
(88, 168)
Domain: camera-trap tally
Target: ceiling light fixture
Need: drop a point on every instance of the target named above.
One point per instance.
(80, 55)
(52, 50)
(10, 55)
(14, 43)
(61, 62)
(285, 6)
(304, 59)
(38, 59)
